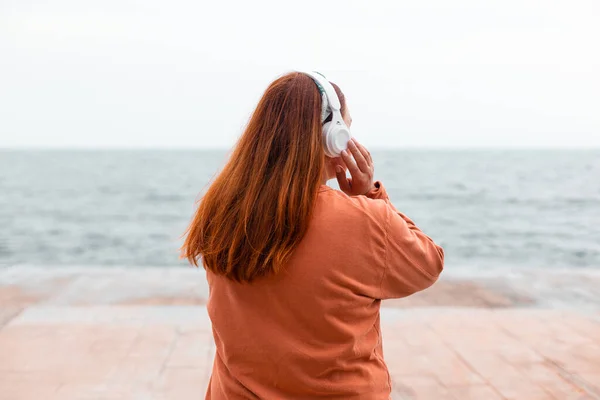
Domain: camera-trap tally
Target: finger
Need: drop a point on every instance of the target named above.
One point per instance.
(340, 174)
(364, 152)
(360, 159)
(350, 163)
(358, 156)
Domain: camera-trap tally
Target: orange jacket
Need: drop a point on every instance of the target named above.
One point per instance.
(313, 330)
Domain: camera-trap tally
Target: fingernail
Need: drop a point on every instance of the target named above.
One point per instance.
(344, 152)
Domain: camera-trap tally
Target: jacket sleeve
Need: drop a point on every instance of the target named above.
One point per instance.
(412, 260)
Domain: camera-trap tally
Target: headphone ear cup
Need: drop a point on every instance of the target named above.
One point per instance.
(335, 138)
(327, 131)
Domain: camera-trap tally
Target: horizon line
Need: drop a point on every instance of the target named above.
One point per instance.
(224, 148)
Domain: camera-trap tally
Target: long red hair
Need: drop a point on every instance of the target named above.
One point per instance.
(257, 210)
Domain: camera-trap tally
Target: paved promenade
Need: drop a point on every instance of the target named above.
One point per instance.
(102, 333)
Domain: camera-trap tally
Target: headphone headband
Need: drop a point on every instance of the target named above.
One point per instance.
(326, 87)
(335, 133)
(328, 94)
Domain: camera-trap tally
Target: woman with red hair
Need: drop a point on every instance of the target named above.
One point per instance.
(296, 269)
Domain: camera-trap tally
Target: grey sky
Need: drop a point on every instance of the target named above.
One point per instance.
(188, 73)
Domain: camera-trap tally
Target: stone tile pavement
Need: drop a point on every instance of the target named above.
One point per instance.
(484, 343)
(165, 352)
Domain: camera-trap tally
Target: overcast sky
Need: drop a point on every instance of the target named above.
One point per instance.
(435, 73)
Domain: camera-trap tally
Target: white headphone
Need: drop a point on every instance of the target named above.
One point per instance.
(336, 134)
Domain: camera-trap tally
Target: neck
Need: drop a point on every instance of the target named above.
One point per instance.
(328, 171)
(325, 177)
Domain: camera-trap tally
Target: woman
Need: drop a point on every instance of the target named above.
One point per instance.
(296, 269)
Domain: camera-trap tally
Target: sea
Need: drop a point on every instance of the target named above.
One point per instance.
(512, 209)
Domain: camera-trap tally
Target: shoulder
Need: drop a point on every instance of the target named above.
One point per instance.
(354, 228)
(338, 205)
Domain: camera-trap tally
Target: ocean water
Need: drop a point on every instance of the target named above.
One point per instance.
(501, 209)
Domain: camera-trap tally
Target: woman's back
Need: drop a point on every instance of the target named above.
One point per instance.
(312, 330)
(297, 270)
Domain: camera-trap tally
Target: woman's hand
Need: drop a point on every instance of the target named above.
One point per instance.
(360, 164)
